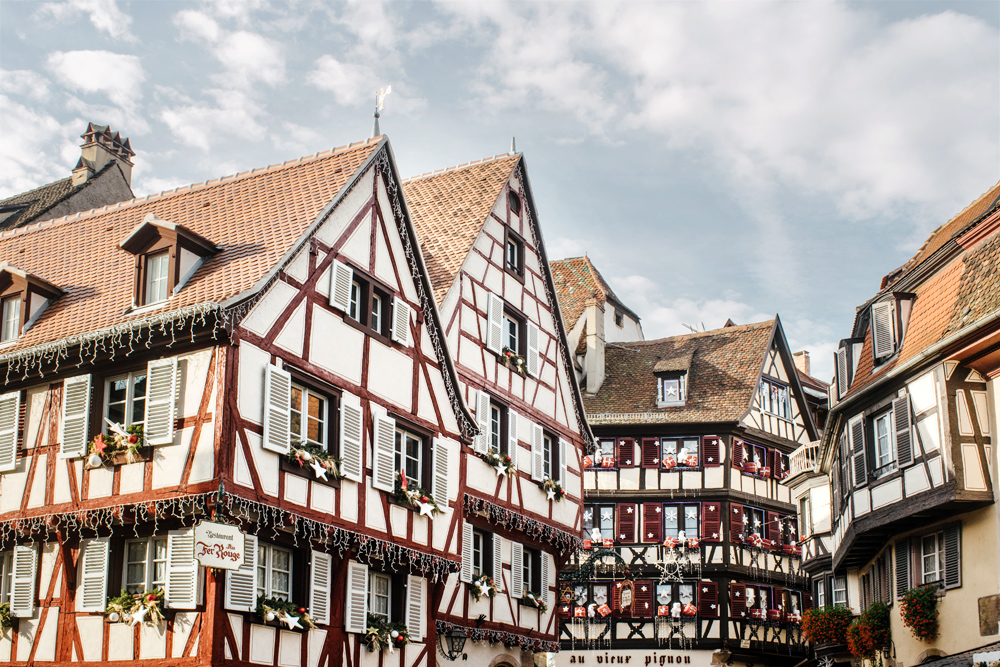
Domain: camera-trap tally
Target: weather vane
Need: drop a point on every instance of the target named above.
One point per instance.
(379, 104)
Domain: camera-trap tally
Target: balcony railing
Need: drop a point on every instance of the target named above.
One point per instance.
(804, 459)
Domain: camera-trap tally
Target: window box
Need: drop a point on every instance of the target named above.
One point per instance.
(483, 586)
(412, 497)
(284, 614)
(553, 489)
(306, 471)
(144, 607)
(514, 361)
(124, 445)
(529, 600)
(6, 620)
(793, 618)
(792, 549)
(381, 634)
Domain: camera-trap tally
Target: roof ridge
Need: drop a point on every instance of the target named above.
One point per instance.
(474, 163)
(184, 189)
(36, 189)
(950, 220)
(698, 334)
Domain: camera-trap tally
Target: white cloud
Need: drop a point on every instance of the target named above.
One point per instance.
(103, 14)
(24, 82)
(118, 76)
(349, 83)
(32, 151)
(197, 25)
(234, 115)
(298, 139)
(246, 57)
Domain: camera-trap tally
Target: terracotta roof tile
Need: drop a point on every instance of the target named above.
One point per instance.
(254, 217)
(725, 365)
(449, 208)
(577, 280)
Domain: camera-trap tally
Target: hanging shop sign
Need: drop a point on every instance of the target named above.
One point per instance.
(219, 545)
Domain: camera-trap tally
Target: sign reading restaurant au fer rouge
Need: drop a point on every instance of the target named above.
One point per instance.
(218, 545)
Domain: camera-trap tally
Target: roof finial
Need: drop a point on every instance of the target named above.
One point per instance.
(513, 148)
(379, 103)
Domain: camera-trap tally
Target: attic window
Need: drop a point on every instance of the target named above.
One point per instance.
(883, 329)
(23, 298)
(11, 318)
(671, 389)
(619, 318)
(515, 202)
(167, 255)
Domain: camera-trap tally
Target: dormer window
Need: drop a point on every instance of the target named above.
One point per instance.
(883, 329)
(11, 318)
(23, 298)
(167, 255)
(672, 380)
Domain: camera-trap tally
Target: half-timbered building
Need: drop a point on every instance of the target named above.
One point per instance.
(910, 442)
(691, 551)
(264, 351)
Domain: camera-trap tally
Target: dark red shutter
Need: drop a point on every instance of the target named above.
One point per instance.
(778, 599)
(711, 522)
(626, 523)
(652, 522)
(650, 453)
(772, 527)
(807, 600)
(737, 601)
(735, 522)
(710, 451)
(616, 596)
(626, 453)
(775, 464)
(642, 605)
(708, 599)
(737, 453)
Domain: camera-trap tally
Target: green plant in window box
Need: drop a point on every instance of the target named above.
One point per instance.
(5, 618)
(869, 635)
(408, 493)
(307, 454)
(283, 611)
(503, 463)
(138, 608)
(919, 611)
(483, 586)
(530, 600)
(512, 359)
(125, 441)
(380, 634)
(553, 489)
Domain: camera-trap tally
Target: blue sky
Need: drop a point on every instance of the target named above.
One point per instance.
(715, 160)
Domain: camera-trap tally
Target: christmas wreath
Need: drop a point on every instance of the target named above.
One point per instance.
(826, 626)
(380, 634)
(307, 454)
(126, 440)
(134, 609)
(553, 489)
(283, 611)
(503, 463)
(483, 586)
(511, 358)
(919, 611)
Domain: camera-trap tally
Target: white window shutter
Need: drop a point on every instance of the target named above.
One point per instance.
(351, 444)
(10, 410)
(494, 324)
(466, 572)
(563, 462)
(241, 584)
(537, 462)
(497, 573)
(356, 616)
(341, 277)
(481, 443)
(439, 482)
(883, 331)
(400, 321)
(384, 454)
(75, 416)
(416, 603)
(277, 409)
(543, 594)
(161, 401)
(512, 426)
(319, 587)
(904, 441)
(516, 570)
(92, 589)
(534, 358)
(181, 590)
(25, 571)
(842, 384)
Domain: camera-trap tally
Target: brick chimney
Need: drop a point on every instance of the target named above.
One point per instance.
(802, 361)
(101, 146)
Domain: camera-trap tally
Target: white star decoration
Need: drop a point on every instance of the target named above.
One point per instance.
(711, 508)
(704, 589)
(657, 509)
(139, 615)
(629, 510)
(671, 391)
(501, 469)
(550, 494)
(291, 621)
(426, 509)
(318, 469)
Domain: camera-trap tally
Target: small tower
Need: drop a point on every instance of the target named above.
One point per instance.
(101, 146)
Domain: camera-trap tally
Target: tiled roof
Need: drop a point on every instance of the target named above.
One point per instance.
(36, 202)
(254, 217)
(577, 280)
(721, 383)
(448, 209)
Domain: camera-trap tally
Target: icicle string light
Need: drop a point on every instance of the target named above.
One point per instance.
(508, 639)
(510, 519)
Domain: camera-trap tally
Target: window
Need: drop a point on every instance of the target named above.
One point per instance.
(599, 522)
(605, 457)
(11, 318)
(876, 583)
(167, 254)
(821, 593)
(515, 203)
(380, 595)
(677, 518)
(312, 417)
(805, 516)
(366, 302)
(514, 254)
(550, 455)
(932, 557)
(619, 318)
(753, 521)
(125, 399)
(839, 588)
(671, 389)
(377, 321)
(410, 454)
(792, 602)
(774, 399)
(759, 597)
(679, 452)
(885, 456)
(531, 571)
(498, 428)
(6, 575)
(670, 594)
(274, 572)
(755, 454)
(512, 333)
(156, 280)
(145, 564)
(482, 553)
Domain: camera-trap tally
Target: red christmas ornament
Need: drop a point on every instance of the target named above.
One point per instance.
(302, 610)
(424, 499)
(132, 439)
(151, 597)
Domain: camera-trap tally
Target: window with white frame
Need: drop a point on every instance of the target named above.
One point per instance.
(774, 399)
(157, 280)
(482, 553)
(671, 389)
(410, 454)
(885, 455)
(531, 571)
(805, 516)
(839, 587)
(550, 449)
(125, 399)
(274, 572)
(6, 575)
(11, 326)
(145, 564)
(498, 428)
(821, 593)
(380, 595)
(311, 416)
(607, 451)
(932, 557)
(512, 333)
(677, 518)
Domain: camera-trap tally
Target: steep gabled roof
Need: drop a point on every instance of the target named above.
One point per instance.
(254, 217)
(725, 366)
(449, 208)
(577, 280)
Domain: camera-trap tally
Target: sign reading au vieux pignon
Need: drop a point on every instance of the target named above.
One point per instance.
(218, 545)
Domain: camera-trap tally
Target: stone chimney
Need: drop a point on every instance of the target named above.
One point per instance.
(101, 146)
(802, 361)
(595, 345)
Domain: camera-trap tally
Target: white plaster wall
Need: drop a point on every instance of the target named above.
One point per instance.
(390, 374)
(333, 227)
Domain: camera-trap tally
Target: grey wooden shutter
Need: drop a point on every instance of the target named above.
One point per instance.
(516, 570)
(75, 416)
(319, 587)
(953, 555)
(384, 454)
(400, 321)
(534, 357)
(904, 443)
(439, 482)
(537, 462)
(563, 462)
(341, 277)
(182, 570)
(512, 446)
(497, 573)
(241, 584)
(466, 572)
(902, 567)
(841, 361)
(857, 434)
(161, 401)
(481, 442)
(351, 444)
(356, 615)
(883, 337)
(416, 607)
(277, 409)
(494, 324)
(24, 568)
(92, 589)
(544, 562)
(10, 409)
